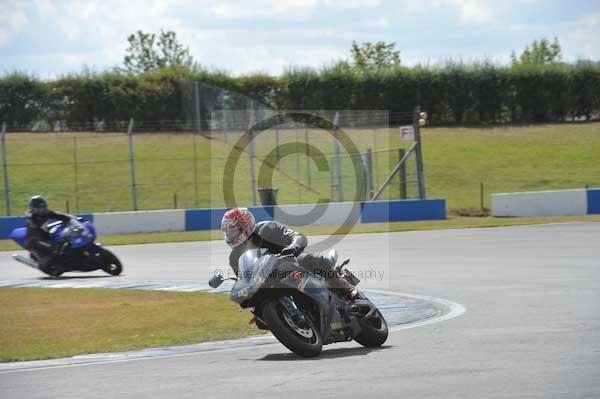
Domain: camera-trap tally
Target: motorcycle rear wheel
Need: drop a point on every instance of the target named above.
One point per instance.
(53, 271)
(304, 341)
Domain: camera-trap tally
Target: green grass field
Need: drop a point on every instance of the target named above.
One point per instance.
(43, 323)
(508, 159)
(457, 160)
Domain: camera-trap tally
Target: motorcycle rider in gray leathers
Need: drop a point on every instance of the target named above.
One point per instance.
(242, 233)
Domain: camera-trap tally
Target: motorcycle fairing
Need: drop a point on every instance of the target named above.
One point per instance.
(18, 235)
(284, 273)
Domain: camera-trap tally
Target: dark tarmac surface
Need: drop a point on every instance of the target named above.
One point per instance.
(531, 329)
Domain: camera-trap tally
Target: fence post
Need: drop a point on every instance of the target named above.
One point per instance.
(251, 161)
(298, 174)
(374, 139)
(419, 155)
(195, 159)
(277, 147)
(5, 170)
(75, 173)
(367, 158)
(481, 195)
(374, 159)
(307, 158)
(132, 166)
(396, 170)
(338, 166)
(402, 174)
(197, 106)
(332, 183)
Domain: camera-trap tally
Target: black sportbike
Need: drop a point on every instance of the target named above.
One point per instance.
(299, 308)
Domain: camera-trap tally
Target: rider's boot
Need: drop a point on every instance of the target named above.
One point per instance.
(343, 288)
(339, 285)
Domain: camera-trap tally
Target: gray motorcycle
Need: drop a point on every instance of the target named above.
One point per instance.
(299, 308)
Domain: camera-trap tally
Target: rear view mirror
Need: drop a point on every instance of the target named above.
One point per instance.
(215, 281)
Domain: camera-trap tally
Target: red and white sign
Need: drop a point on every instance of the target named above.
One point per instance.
(407, 133)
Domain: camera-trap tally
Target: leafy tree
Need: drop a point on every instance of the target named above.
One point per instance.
(541, 52)
(147, 53)
(21, 98)
(370, 57)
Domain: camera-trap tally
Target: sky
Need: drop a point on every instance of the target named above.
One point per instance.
(48, 38)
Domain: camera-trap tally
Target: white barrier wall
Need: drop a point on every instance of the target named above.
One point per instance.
(540, 203)
(139, 222)
(319, 214)
(332, 214)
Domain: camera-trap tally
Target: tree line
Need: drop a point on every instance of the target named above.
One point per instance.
(537, 87)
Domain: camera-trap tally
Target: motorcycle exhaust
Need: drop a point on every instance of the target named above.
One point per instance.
(27, 261)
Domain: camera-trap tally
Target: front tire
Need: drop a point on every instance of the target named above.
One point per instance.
(110, 263)
(304, 341)
(374, 330)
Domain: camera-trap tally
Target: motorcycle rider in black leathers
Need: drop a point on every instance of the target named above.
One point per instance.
(38, 236)
(242, 233)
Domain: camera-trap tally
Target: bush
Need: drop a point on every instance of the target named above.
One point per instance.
(22, 99)
(453, 93)
(585, 92)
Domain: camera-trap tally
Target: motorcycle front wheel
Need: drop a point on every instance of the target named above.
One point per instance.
(110, 263)
(303, 340)
(374, 330)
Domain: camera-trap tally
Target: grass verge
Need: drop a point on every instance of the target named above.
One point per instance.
(43, 323)
(457, 160)
(450, 223)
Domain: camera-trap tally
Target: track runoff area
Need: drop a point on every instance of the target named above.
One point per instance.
(531, 326)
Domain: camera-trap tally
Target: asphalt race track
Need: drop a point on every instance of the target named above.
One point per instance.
(531, 327)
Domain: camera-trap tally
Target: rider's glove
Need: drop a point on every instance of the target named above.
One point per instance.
(291, 250)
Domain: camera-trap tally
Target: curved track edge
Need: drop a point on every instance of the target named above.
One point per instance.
(402, 311)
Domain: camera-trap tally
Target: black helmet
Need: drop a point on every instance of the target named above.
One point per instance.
(38, 205)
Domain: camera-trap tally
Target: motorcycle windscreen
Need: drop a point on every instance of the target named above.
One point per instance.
(80, 236)
(75, 232)
(91, 229)
(252, 273)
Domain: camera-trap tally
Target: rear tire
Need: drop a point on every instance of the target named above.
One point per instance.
(110, 263)
(50, 268)
(374, 331)
(305, 342)
(53, 271)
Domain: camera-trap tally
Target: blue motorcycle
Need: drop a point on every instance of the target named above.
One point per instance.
(79, 250)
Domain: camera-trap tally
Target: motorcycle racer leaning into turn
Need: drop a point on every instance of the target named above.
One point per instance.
(242, 233)
(38, 237)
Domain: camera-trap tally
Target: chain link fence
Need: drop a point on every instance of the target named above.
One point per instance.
(225, 148)
(83, 170)
(177, 165)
